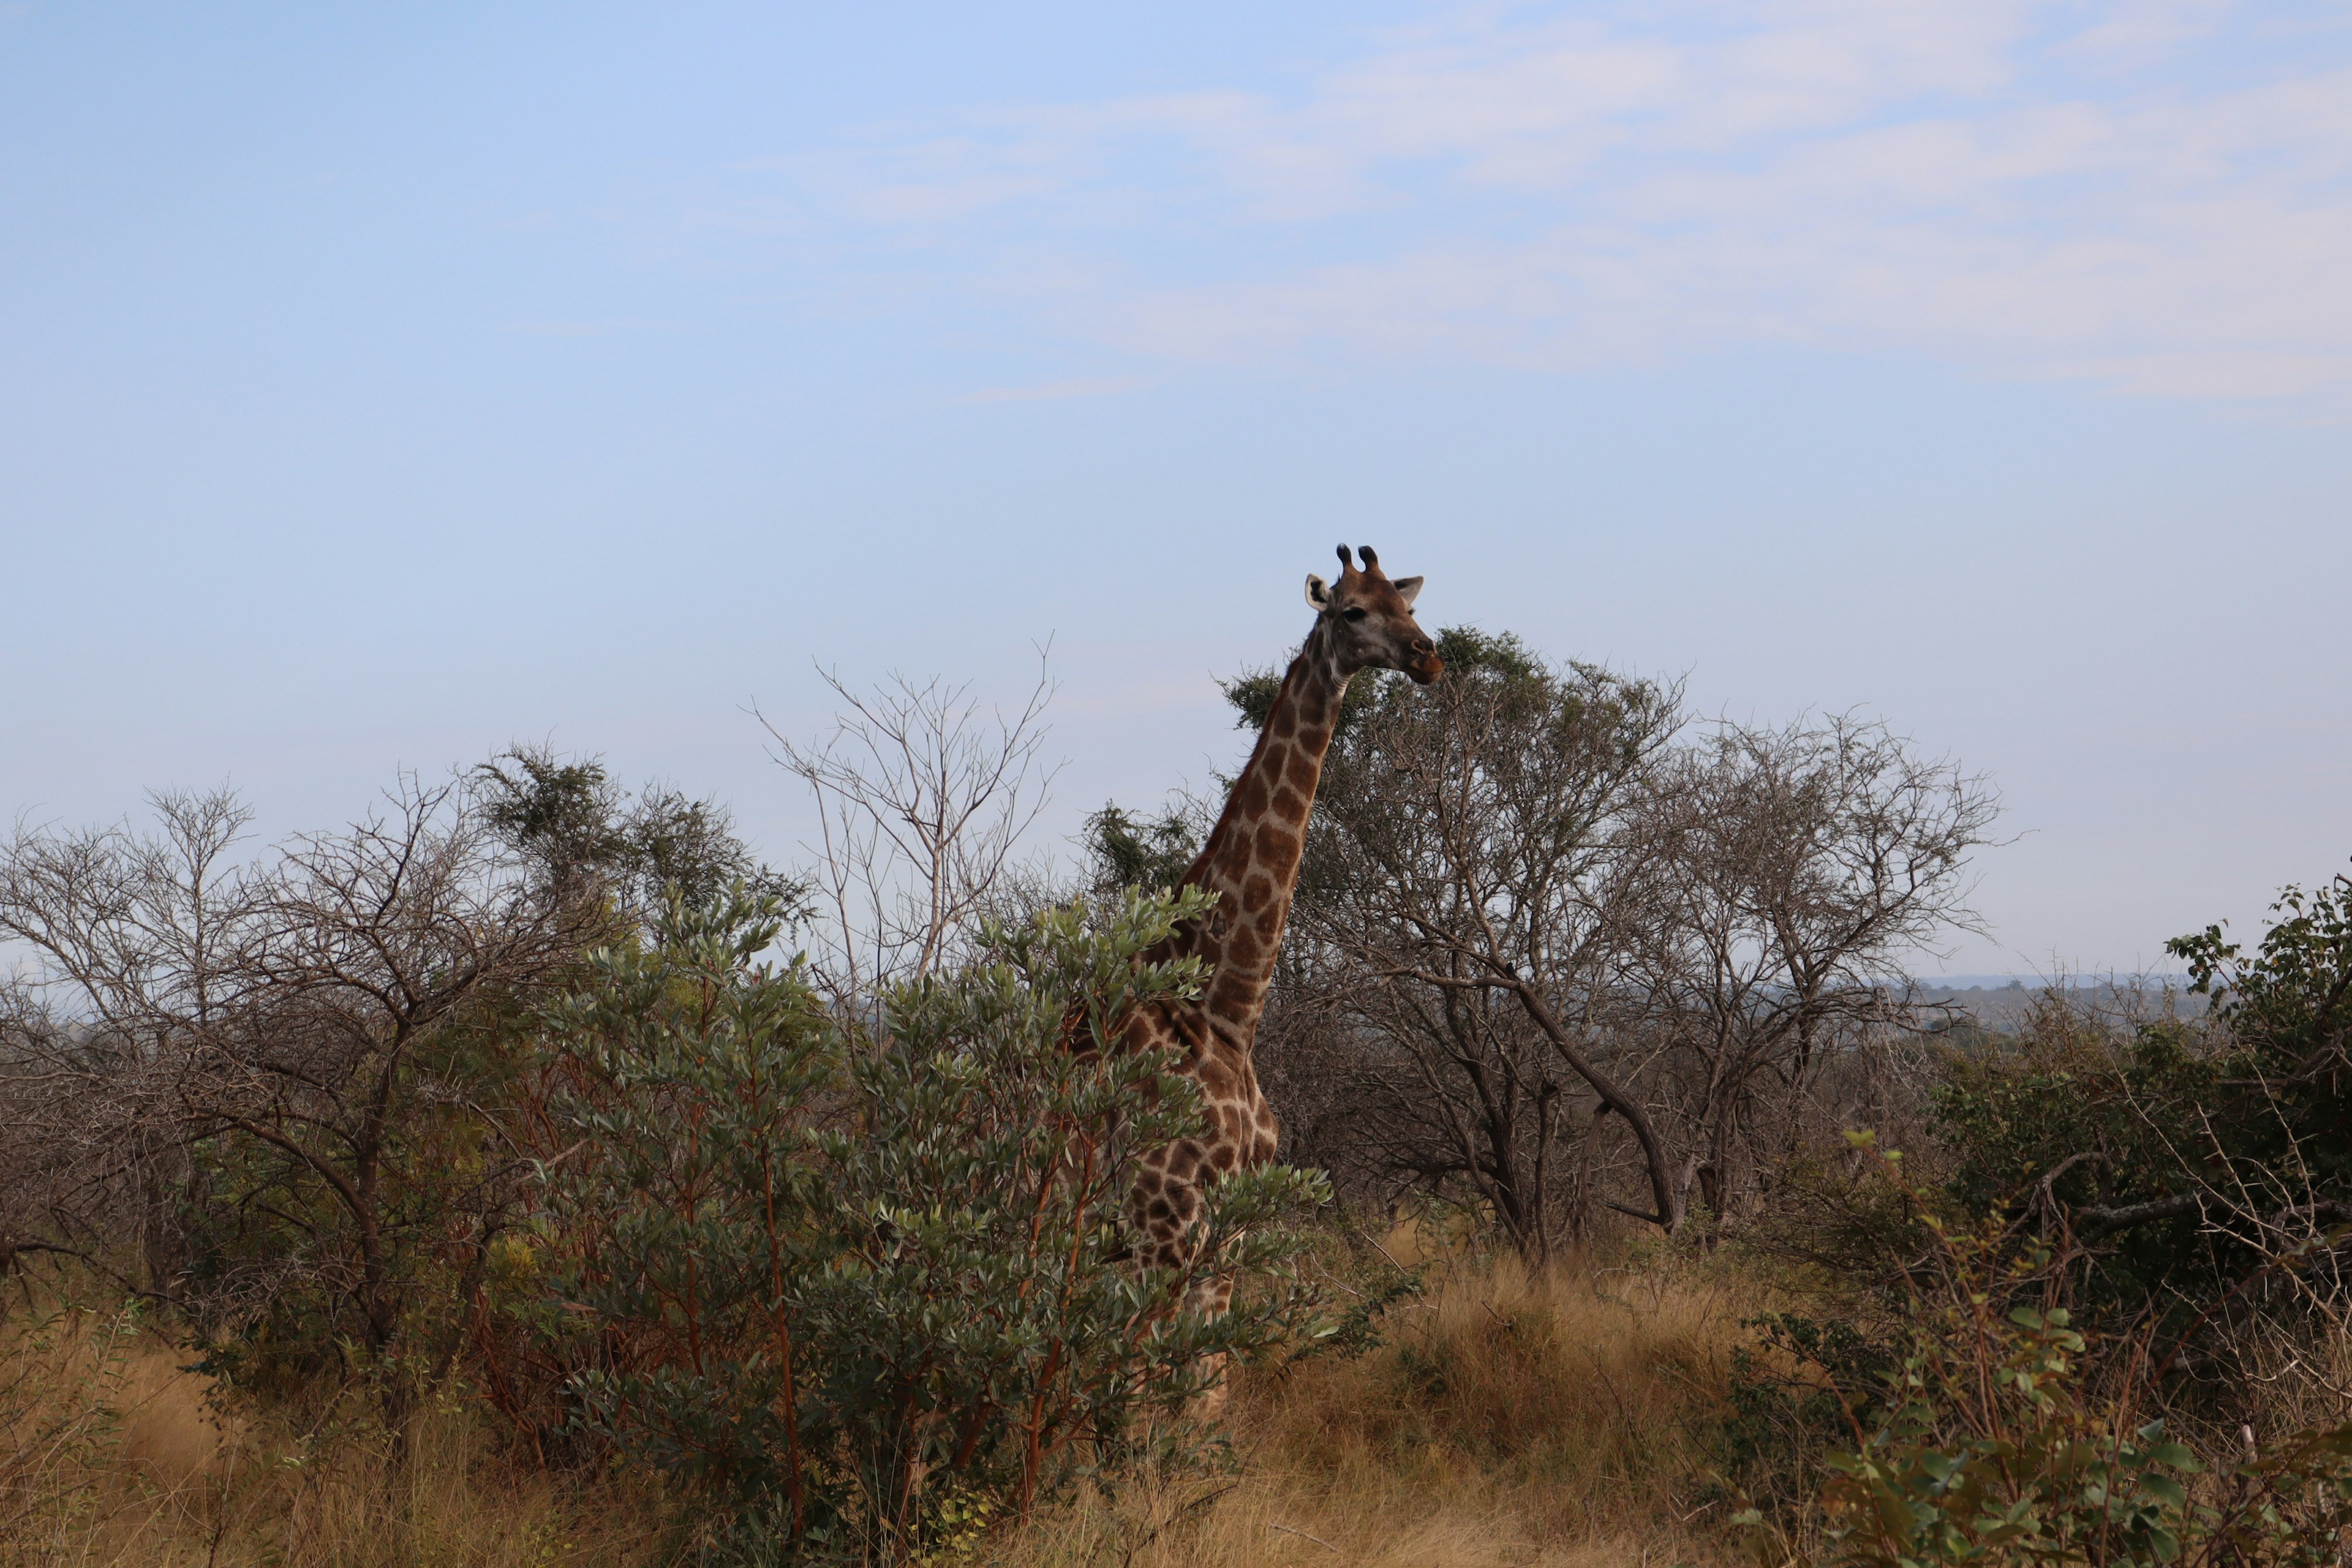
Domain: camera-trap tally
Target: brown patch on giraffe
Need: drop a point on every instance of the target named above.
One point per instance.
(1230, 994)
(1215, 1078)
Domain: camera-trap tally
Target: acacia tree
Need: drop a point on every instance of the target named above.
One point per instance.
(585, 839)
(1462, 916)
(283, 1036)
(1533, 910)
(132, 950)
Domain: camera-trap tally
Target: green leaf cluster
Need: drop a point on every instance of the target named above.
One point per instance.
(2287, 1007)
(860, 1282)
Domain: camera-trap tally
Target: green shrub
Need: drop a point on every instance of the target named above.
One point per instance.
(2189, 1157)
(1991, 1445)
(865, 1290)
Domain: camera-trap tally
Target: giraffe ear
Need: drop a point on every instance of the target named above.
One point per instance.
(1407, 588)
(1319, 593)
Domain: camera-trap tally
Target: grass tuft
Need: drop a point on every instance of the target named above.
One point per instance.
(113, 1455)
(1564, 1418)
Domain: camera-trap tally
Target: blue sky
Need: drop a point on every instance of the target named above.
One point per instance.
(380, 385)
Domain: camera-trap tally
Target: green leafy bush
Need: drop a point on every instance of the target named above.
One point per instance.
(2188, 1155)
(2287, 1007)
(864, 1288)
(1991, 1445)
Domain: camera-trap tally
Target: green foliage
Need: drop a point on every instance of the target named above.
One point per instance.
(1151, 854)
(1794, 1394)
(861, 1289)
(348, 1189)
(1381, 1285)
(272, 1245)
(1955, 1473)
(1990, 1444)
(1252, 695)
(1845, 1232)
(585, 836)
(1467, 652)
(2115, 1117)
(2141, 1136)
(2288, 1008)
(277, 1253)
(685, 1198)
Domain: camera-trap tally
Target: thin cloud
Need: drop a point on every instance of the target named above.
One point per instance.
(2048, 187)
(2137, 30)
(1055, 391)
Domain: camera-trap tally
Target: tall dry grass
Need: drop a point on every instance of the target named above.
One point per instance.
(112, 1455)
(1506, 1418)
(1572, 1418)
(1569, 1418)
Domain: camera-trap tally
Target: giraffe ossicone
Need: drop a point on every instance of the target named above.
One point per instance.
(1362, 621)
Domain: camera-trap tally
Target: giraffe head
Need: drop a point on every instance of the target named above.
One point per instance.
(1369, 619)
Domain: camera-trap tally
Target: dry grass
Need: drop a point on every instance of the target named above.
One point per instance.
(1566, 1420)
(1560, 1420)
(112, 1456)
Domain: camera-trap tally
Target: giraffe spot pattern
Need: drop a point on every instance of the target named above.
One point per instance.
(1252, 859)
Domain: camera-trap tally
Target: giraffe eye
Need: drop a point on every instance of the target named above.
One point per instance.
(1355, 614)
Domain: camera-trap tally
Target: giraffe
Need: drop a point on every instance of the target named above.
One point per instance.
(1251, 862)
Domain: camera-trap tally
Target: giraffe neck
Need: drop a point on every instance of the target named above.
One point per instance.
(1251, 856)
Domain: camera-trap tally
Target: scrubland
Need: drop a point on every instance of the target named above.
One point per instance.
(1573, 1416)
(118, 1453)
(531, 1208)
(1599, 1410)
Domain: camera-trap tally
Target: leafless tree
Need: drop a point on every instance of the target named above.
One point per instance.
(922, 795)
(129, 948)
(275, 1045)
(1788, 871)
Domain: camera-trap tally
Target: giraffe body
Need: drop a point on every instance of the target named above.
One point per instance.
(1251, 862)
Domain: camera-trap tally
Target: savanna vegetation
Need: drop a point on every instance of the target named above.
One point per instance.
(527, 1174)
